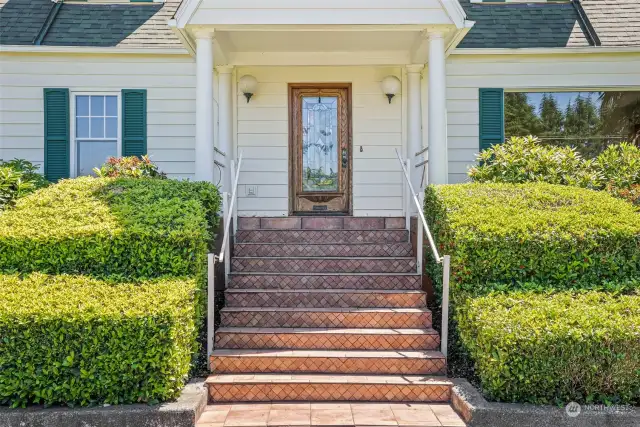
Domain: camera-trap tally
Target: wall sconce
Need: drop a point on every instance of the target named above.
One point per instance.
(248, 85)
(390, 86)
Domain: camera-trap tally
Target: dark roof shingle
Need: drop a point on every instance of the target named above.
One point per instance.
(76, 24)
(523, 25)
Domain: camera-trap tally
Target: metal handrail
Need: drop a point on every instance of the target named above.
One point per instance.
(228, 209)
(444, 260)
(230, 213)
(417, 203)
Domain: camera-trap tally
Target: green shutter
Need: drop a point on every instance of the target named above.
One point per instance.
(491, 117)
(56, 134)
(134, 122)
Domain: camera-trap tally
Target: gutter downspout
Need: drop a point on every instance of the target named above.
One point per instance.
(53, 12)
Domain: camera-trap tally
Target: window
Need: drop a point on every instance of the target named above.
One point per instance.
(96, 135)
(586, 120)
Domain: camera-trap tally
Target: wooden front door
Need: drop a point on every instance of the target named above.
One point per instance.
(320, 149)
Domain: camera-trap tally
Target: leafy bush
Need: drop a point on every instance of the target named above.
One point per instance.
(129, 167)
(77, 340)
(17, 179)
(555, 348)
(520, 160)
(532, 236)
(619, 166)
(124, 227)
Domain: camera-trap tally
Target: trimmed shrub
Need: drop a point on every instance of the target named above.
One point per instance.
(131, 228)
(129, 167)
(555, 348)
(77, 340)
(532, 236)
(17, 179)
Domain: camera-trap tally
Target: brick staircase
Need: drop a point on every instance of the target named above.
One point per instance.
(325, 309)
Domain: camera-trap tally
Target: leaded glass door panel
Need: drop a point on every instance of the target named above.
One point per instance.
(320, 149)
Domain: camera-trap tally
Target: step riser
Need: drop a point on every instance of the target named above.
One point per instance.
(292, 250)
(301, 319)
(321, 223)
(289, 299)
(325, 282)
(323, 265)
(323, 236)
(326, 341)
(329, 365)
(243, 392)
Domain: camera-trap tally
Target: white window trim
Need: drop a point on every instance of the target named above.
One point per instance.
(73, 173)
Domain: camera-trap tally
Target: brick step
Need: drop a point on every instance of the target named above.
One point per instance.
(328, 338)
(323, 265)
(321, 223)
(321, 250)
(322, 236)
(264, 317)
(343, 298)
(279, 387)
(324, 281)
(237, 361)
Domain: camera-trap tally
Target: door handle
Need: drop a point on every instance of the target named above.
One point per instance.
(345, 158)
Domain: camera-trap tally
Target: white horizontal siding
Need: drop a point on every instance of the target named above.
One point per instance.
(263, 128)
(170, 84)
(467, 73)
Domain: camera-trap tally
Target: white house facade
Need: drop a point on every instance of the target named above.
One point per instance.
(317, 97)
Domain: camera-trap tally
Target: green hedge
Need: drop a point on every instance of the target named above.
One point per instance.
(532, 236)
(132, 228)
(554, 348)
(77, 340)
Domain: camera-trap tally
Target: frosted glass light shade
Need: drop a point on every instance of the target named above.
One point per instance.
(390, 86)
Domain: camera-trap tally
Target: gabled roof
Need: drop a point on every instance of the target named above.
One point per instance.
(105, 25)
(617, 22)
(523, 25)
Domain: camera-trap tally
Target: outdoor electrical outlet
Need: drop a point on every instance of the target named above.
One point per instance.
(251, 191)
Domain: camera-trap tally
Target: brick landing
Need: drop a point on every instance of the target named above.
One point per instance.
(329, 414)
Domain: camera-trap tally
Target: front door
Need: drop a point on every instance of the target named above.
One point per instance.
(320, 149)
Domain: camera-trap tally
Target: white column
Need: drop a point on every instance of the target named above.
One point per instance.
(437, 111)
(414, 121)
(225, 115)
(205, 155)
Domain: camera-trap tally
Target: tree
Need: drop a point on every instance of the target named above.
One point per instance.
(551, 120)
(582, 126)
(520, 116)
(620, 114)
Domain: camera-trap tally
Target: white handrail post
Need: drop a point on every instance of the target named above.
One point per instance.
(420, 239)
(407, 208)
(444, 330)
(225, 210)
(235, 209)
(211, 301)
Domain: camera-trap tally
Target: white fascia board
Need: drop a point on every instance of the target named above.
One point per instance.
(92, 50)
(457, 38)
(455, 11)
(548, 51)
(184, 37)
(185, 12)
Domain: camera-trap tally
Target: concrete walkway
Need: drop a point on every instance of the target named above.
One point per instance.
(329, 414)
